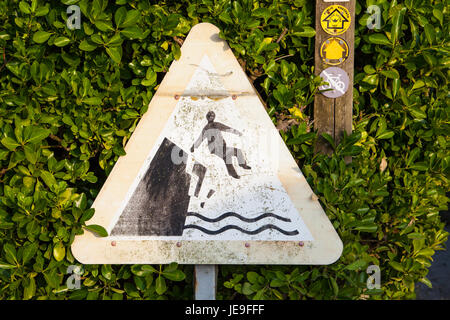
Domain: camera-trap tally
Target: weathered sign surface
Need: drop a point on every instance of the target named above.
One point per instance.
(207, 178)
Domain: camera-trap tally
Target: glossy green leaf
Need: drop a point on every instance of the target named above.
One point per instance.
(430, 33)
(37, 135)
(386, 135)
(10, 143)
(397, 22)
(392, 74)
(24, 7)
(119, 16)
(99, 230)
(59, 251)
(160, 285)
(176, 275)
(86, 45)
(41, 36)
(131, 18)
(133, 32)
(30, 289)
(61, 41)
(4, 265)
(29, 252)
(379, 38)
(115, 53)
(93, 101)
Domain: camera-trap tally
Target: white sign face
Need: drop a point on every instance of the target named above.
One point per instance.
(223, 199)
(207, 178)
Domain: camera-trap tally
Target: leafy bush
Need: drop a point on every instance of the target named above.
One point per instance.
(70, 99)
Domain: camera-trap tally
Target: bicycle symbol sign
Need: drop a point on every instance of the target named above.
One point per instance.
(338, 82)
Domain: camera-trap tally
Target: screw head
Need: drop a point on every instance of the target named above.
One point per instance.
(176, 97)
(234, 97)
(178, 244)
(113, 243)
(247, 245)
(301, 243)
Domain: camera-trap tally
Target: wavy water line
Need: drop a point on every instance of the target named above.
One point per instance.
(236, 215)
(259, 230)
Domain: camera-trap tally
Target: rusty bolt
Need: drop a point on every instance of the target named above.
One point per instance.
(178, 244)
(113, 243)
(234, 97)
(176, 97)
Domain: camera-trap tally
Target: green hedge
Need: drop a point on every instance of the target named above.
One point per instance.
(70, 99)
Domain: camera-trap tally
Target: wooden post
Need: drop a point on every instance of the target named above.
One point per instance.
(205, 281)
(334, 116)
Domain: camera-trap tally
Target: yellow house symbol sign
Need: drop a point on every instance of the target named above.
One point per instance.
(334, 51)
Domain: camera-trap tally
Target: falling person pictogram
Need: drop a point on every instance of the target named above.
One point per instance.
(217, 145)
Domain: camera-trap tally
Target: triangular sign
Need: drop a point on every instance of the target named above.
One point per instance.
(206, 178)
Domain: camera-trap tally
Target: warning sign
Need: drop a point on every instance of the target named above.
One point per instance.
(334, 51)
(335, 20)
(207, 178)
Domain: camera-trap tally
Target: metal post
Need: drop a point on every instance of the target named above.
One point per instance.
(205, 281)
